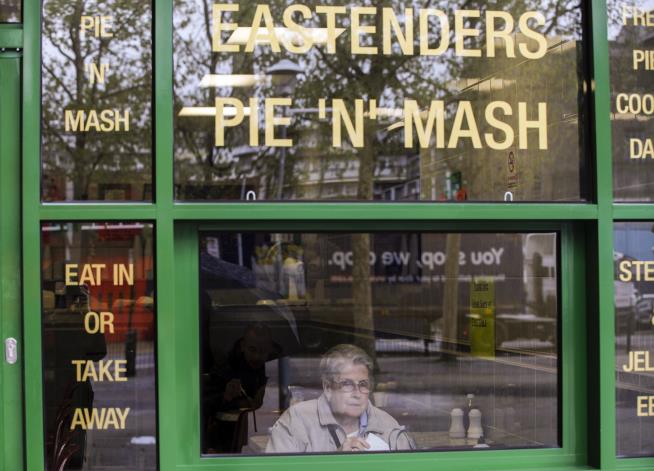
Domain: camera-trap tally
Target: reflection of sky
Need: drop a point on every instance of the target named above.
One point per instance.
(123, 52)
(193, 50)
(635, 239)
(614, 10)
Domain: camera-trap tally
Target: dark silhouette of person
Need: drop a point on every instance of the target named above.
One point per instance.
(236, 387)
(65, 339)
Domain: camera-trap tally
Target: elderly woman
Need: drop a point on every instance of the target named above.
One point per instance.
(342, 418)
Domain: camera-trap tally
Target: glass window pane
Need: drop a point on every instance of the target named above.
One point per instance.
(319, 342)
(96, 97)
(99, 375)
(634, 341)
(400, 111)
(632, 103)
(11, 11)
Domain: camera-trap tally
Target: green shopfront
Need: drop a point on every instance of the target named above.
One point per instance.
(291, 235)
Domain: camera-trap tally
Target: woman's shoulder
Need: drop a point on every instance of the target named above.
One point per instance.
(304, 408)
(299, 417)
(380, 419)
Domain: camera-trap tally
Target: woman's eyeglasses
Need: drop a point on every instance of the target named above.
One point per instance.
(347, 385)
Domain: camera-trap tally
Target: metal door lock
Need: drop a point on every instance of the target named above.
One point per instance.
(11, 350)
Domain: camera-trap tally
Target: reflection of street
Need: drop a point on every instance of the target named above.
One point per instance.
(517, 393)
(133, 448)
(635, 434)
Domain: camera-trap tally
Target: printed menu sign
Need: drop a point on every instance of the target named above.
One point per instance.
(632, 103)
(97, 100)
(98, 345)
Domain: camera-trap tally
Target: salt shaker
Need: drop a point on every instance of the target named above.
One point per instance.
(456, 424)
(474, 430)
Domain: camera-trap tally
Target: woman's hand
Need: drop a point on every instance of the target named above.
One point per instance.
(232, 390)
(355, 444)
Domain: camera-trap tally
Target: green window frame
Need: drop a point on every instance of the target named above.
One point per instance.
(573, 381)
(588, 341)
(11, 443)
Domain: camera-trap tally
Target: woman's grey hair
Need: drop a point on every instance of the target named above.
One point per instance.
(339, 357)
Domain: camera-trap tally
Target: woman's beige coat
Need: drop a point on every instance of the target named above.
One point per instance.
(304, 428)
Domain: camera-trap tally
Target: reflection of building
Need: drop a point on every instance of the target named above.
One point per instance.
(335, 173)
(528, 174)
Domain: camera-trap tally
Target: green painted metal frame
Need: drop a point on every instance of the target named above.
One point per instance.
(605, 347)
(11, 376)
(11, 36)
(176, 231)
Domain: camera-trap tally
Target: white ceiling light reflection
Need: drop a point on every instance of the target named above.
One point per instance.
(231, 80)
(241, 35)
(228, 111)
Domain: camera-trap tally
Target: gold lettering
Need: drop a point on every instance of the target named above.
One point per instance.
(100, 419)
(101, 25)
(78, 369)
(625, 271)
(96, 74)
(637, 16)
(505, 34)
(71, 272)
(219, 26)
(641, 149)
(73, 122)
(92, 274)
(357, 30)
(254, 122)
(123, 274)
(540, 124)
(122, 416)
(435, 118)
(111, 120)
(461, 32)
(78, 420)
(464, 111)
(541, 50)
(103, 322)
(107, 370)
(390, 22)
(95, 419)
(262, 13)
(645, 406)
(424, 15)
(644, 270)
(272, 121)
(120, 370)
(236, 110)
(330, 13)
(307, 40)
(340, 114)
(500, 125)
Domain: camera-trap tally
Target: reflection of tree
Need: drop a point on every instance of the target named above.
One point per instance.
(451, 290)
(86, 159)
(389, 79)
(633, 179)
(10, 11)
